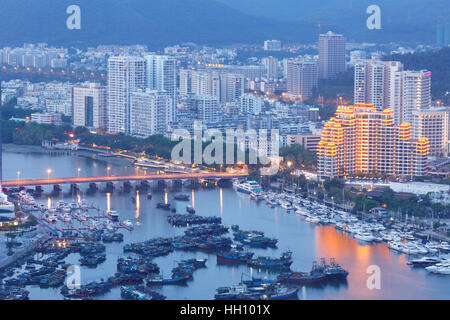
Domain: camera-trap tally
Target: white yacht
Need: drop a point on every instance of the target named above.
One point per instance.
(439, 267)
(312, 219)
(248, 187)
(431, 247)
(364, 236)
(396, 245)
(285, 205)
(444, 247)
(6, 207)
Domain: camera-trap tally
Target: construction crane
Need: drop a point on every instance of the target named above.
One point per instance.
(320, 25)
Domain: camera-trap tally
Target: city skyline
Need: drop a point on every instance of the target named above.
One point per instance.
(244, 150)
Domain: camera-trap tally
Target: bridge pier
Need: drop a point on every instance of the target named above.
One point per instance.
(74, 187)
(195, 183)
(225, 183)
(127, 186)
(57, 188)
(143, 185)
(110, 186)
(177, 183)
(208, 183)
(93, 187)
(162, 184)
(39, 189)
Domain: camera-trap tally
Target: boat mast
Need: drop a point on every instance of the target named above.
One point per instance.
(1, 143)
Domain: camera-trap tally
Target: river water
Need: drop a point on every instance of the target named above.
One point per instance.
(307, 242)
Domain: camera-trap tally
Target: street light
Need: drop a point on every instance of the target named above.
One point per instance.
(49, 171)
(108, 169)
(79, 170)
(18, 175)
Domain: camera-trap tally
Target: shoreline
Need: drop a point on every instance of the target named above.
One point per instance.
(115, 160)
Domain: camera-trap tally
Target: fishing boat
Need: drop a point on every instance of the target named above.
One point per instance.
(234, 256)
(281, 293)
(127, 224)
(112, 215)
(131, 293)
(158, 280)
(260, 242)
(230, 293)
(181, 197)
(334, 271)
(164, 206)
(283, 262)
(190, 209)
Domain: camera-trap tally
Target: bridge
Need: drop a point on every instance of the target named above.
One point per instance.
(78, 180)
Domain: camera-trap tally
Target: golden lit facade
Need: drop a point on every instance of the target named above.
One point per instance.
(361, 139)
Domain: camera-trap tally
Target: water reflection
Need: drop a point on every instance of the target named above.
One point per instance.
(221, 202)
(108, 202)
(308, 242)
(138, 204)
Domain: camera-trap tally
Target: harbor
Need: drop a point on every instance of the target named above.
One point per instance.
(242, 215)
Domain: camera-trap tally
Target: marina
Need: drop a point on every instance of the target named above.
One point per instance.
(309, 230)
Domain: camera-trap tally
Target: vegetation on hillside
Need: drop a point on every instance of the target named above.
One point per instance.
(438, 62)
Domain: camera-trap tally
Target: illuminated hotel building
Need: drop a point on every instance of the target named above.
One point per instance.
(361, 139)
(432, 124)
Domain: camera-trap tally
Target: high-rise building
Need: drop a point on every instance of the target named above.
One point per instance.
(416, 94)
(226, 87)
(185, 86)
(206, 107)
(301, 78)
(362, 139)
(271, 66)
(331, 55)
(443, 35)
(232, 86)
(206, 83)
(89, 105)
(393, 71)
(125, 75)
(162, 76)
(249, 103)
(378, 82)
(272, 45)
(432, 124)
(386, 85)
(150, 112)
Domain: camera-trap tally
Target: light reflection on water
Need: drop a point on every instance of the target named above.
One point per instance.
(308, 242)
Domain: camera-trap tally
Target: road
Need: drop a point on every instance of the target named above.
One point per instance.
(77, 180)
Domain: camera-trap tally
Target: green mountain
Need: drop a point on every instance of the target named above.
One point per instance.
(152, 22)
(401, 20)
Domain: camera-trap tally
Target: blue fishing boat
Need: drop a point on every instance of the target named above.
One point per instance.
(283, 262)
(234, 256)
